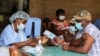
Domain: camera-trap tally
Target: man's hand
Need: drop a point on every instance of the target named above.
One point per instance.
(44, 39)
(65, 46)
(31, 40)
(58, 40)
(34, 41)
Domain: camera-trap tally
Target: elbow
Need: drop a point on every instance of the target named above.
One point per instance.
(12, 48)
(85, 51)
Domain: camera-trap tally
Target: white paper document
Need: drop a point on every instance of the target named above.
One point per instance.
(49, 34)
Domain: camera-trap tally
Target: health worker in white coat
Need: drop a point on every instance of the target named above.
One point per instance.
(13, 35)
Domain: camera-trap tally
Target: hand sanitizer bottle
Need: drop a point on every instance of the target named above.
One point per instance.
(39, 48)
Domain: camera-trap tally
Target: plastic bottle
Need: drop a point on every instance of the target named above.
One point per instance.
(39, 48)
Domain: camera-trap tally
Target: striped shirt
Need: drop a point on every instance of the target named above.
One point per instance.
(95, 33)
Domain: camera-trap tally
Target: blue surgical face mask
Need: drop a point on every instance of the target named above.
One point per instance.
(78, 26)
(72, 29)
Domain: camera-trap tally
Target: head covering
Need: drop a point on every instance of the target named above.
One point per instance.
(60, 12)
(19, 14)
(83, 14)
(72, 21)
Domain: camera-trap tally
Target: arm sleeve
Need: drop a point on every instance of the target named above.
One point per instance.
(8, 36)
(91, 32)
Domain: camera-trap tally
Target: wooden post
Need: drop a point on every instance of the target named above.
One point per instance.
(20, 5)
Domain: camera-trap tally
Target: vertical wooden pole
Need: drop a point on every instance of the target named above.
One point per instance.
(20, 5)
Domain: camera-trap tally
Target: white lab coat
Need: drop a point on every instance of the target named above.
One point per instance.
(9, 36)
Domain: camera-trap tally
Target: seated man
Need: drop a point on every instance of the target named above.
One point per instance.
(90, 35)
(13, 35)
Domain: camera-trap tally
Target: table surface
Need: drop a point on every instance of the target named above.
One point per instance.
(57, 51)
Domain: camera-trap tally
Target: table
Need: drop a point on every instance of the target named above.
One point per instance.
(57, 51)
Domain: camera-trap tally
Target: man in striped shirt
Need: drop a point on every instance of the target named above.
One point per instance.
(89, 33)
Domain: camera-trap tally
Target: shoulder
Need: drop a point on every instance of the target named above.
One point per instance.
(54, 21)
(8, 28)
(91, 27)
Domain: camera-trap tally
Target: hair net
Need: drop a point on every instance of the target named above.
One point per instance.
(19, 14)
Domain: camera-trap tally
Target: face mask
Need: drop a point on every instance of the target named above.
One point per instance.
(61, 17)
(21, 26)
(79, 26)
(72, 29)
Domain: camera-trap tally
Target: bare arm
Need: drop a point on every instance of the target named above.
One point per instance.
(14, 48)
(76, 42)
(25, 43)
(88, 41)
(31, 42)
